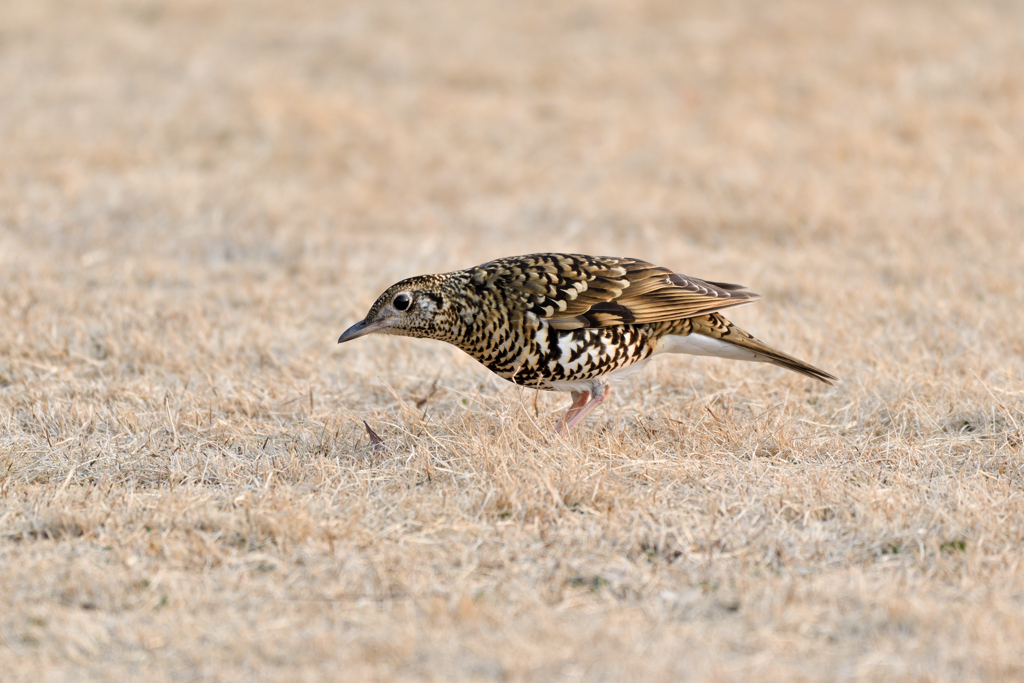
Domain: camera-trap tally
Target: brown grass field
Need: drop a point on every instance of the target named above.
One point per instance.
(197, 198)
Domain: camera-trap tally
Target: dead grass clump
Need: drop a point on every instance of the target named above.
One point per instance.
(52, 527)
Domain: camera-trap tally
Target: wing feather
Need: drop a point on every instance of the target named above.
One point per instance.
(573, 291)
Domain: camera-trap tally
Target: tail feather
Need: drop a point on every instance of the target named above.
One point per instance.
(705, 336)
(720, 328)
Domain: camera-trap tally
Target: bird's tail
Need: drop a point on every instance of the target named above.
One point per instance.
(713, 335)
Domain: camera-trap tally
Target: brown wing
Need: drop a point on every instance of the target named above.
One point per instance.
(574, 291)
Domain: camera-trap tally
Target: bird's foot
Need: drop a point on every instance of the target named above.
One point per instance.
(579, 399)
(580, 407)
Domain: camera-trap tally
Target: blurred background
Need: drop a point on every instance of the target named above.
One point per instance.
(269, 168)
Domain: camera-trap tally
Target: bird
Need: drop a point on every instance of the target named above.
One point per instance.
(571, 322)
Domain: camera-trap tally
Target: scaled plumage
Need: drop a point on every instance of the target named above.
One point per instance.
(568, 322)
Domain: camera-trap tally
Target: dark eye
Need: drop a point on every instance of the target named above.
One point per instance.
(402, 302)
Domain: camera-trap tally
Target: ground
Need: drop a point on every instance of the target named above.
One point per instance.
(197, 198)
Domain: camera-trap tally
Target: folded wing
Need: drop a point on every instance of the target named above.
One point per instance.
(573, 290)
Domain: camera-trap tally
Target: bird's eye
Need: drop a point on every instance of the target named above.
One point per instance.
(402, 302)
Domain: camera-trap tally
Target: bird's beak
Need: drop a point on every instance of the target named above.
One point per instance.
(362, 328)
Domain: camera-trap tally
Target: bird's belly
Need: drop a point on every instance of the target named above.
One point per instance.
(588, 384)
(557, 359)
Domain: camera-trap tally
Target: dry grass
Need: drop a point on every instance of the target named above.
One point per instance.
(197, 198)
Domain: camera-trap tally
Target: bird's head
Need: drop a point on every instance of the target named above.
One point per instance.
(416, 307)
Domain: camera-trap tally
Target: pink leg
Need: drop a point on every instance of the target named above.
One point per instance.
(578, 414)
(579, 398)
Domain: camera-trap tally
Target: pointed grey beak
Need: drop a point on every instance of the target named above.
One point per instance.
(362, 328)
